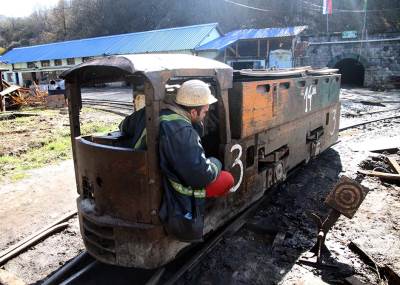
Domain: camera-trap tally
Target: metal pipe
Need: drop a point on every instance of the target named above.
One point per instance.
(352, 42)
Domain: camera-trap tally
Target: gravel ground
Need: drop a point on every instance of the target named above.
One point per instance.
(248, 256)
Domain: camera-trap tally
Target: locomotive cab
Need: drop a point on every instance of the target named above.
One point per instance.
(264, 124)
(119, 187)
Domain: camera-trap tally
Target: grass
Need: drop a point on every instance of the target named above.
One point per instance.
(53, 148)
(18, 176)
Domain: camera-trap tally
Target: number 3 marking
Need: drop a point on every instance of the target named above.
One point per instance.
(237, 162)
(334, 123)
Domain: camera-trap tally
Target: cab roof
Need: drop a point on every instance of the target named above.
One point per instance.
(112, 68)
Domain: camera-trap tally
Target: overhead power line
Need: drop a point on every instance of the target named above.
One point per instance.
(349, 11)
(246, 6)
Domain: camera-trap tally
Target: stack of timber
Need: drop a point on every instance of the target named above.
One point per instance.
(14, 97)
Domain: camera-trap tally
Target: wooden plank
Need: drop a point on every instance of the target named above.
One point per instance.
(2, 104)
(394, 164)
(9, 278)
(10, 89)
(384, 175)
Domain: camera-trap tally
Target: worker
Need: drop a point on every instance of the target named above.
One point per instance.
(133, 127)
(188, 176)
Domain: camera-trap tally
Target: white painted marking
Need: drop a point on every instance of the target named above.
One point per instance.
(237, 162)
(309, 92)
(334, 123)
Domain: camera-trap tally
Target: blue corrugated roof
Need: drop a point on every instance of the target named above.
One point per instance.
(236, 35)
(182, 38)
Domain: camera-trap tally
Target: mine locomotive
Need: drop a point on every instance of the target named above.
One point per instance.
(265, 123)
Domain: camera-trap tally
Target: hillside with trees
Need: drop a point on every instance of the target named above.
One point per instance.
(75, 19)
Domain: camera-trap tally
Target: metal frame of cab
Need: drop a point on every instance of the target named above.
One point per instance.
(264, 131)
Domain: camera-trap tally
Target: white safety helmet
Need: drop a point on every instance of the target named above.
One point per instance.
(194, 93)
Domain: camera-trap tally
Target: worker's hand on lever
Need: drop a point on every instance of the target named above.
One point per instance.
(222, 183)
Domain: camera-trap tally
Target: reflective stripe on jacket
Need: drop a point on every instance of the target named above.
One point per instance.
(185, 168)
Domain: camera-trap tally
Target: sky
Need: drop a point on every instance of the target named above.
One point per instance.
(23, 8)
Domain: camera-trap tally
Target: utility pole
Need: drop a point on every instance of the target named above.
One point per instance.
(364, 32)
(64, 21)
(364, 29)
(327, 24)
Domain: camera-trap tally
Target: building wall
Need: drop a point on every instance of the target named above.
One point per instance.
(208, 54)
(24, 73)
(380, 56)
(211, 36)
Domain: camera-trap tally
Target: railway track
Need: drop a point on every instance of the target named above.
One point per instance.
(368, 122)
(86, 270)
(113, 106)
(120, 108)
(121, 104)
(373, 112)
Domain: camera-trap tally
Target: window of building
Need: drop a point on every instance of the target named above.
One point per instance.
(31, 65)
(71, 61)
(86, 58)
(57, 62)
(45, 63)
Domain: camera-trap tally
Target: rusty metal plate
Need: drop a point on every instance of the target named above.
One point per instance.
(346, 197)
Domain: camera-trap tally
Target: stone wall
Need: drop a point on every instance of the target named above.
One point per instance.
(380, 59)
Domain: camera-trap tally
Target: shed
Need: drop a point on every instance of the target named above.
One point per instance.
(250, 48)
(47, 61)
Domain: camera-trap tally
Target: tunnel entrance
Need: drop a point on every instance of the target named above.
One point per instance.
(352, 71)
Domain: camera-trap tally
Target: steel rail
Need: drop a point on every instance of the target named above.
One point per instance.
(375, 112)
(32, 242)
(116, 106)
(231, 228)
(121, 105)
(173, 271)
(109, 111)
(80, 273)
(66, 269)
(108, 101)
(368, 122)
(34, 235)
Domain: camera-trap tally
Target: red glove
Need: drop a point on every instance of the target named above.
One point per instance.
(220, 186)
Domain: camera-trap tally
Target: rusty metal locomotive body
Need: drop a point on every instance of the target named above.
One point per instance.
(264, 124)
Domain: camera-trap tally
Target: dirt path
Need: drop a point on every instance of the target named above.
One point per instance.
(30, 204)
(249, 258)
(246, 257)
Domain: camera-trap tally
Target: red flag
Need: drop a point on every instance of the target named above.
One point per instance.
(327, 7)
